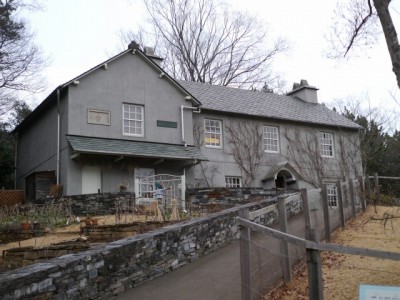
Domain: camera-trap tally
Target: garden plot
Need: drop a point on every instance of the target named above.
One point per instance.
(54, 231)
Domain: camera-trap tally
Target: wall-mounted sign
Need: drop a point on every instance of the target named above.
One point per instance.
(100, 117)
(167, 124)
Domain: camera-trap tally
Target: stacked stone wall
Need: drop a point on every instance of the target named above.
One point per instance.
(109, 269)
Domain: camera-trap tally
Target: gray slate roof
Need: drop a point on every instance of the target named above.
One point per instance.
(92, 145)
(268, 105)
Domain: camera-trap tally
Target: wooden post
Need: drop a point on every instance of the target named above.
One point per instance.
(326, 213)
(314, 269)
(345, 195)
(307, 216)
(369, 190)
(377, 192)
(340, 202)
(352, 198)
(362, 192)
(286, 267)
(245, 256)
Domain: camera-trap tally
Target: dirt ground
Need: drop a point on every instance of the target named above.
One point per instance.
(342, 274)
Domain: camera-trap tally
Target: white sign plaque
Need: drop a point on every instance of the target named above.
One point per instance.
(379, 292)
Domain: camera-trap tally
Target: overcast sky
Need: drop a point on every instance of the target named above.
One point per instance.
(79, 34)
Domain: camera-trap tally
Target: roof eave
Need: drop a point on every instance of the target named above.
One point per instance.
(358, 127)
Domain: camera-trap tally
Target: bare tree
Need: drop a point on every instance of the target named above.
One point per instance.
(357, 25)
(204, 41)
(377, 123)
(20, 59)
(304, 153)
(349, 156)
(245, 140)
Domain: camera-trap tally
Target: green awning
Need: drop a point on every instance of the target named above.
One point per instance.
(101, 146)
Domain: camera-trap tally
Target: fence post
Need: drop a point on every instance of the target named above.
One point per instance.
(325, 207)
(286, 267)
(314, 268)
(345, 192)
(362, 192)
(340, 202)
(352, 199)
(245, 256)
(369, 189)
(377, 192)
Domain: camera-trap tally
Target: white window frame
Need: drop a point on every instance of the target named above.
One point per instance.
(271, 138)
(133, 117)
(233, 181)
(211, 132)
(326, 144)
(332, 195)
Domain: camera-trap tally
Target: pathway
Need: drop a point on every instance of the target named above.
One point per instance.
(213, 277)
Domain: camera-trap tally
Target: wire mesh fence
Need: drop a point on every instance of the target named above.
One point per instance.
(296, 243)
(266, 258)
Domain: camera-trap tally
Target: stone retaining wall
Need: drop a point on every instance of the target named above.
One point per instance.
(102, 233)
(109, 270)
(11, 234)
(104, 204)
(229, 197)
(24, 256)
(92, 204)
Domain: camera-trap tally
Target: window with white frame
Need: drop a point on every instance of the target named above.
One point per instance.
(213, 133)
(133, 119)
(233, 182)
(332, 194)
(271, 139)
(326, 144)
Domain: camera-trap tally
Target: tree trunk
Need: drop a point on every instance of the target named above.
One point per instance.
(382, 9)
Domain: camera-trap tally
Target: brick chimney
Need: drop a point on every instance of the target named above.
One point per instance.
(304, 92)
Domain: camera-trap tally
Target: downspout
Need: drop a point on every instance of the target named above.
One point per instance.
(194, 109)
(58, 137)
(183, 183)
(15, 160)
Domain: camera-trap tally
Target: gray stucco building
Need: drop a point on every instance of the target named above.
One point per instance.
(127, 119)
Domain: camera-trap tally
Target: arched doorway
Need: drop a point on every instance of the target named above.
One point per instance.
(285, 179)
(281, 176)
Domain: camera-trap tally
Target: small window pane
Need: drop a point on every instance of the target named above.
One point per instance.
(326, 144)
(271, 139)
(332, 195)
(233, 182)
(213, 133)
(133, 123)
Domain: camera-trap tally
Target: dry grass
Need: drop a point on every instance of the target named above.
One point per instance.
(342, 274)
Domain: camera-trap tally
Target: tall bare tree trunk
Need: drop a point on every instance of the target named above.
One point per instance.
(382, 9)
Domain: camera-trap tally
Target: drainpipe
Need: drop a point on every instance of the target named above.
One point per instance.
(15, 160)
(183, 182)
(58, 136)
(195, 110)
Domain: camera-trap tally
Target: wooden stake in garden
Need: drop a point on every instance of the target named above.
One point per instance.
(174, 214)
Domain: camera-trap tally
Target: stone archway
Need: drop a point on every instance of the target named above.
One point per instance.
(282, 176)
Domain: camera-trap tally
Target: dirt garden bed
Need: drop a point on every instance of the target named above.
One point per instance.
(342, 274)
(33, 246)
